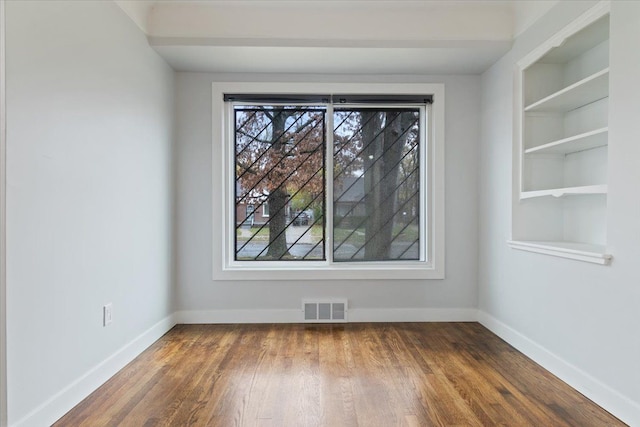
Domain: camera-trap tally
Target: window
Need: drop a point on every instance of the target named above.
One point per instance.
(279, 162)
(376, 184)
(338, 184)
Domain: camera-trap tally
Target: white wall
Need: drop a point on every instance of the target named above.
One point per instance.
(3, 240)
(89, 198)
(580, 320)
(385, 299)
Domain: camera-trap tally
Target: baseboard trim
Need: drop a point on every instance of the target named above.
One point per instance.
(58, 405)
(238, 316)
(617, 404)
(413, 315)
(354, 315)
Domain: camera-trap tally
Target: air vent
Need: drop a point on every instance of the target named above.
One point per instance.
(325, 311)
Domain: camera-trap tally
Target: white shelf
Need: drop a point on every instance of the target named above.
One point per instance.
(584, 92)
(573, 47)
(573, 144)
(567, 191)
(579, 251)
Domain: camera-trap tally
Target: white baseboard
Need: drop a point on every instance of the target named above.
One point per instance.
(58, 405)
(239, 316)
(412, 315)
(354, 315)
(617, 404)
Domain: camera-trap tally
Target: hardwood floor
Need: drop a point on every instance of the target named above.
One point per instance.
(398, 374)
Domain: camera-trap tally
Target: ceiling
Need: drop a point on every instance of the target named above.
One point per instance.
(333, 36)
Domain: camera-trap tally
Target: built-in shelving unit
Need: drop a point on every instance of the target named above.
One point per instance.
(563, 140)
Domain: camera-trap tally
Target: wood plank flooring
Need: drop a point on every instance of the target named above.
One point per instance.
(398, 374)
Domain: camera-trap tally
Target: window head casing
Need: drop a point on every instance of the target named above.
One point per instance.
(352, 183)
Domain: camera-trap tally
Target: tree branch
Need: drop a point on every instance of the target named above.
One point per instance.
(253, 138)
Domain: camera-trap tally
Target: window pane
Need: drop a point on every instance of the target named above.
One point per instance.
(279, 177)
(376, 190)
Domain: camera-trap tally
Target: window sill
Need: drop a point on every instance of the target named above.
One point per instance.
(321, 271)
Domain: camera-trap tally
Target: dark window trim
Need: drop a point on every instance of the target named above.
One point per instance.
(329, 99)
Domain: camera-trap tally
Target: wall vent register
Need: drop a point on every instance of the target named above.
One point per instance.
(325, 311)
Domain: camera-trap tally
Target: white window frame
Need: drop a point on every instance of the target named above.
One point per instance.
(224, 265)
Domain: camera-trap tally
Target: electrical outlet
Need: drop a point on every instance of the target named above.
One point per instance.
(107, 314)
